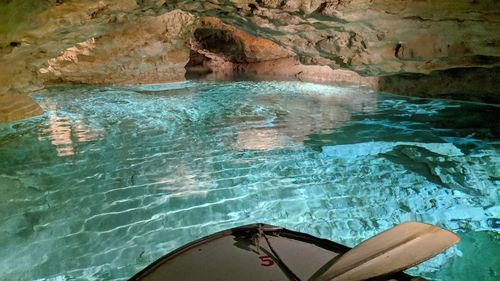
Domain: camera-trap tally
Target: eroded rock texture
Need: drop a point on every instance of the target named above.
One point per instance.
(147, 50)
(371, 37)
(144, 41)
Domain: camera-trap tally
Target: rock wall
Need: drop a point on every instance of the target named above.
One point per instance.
(476, 84)
(220, 51)
(34, 31)
(147, 50)
(15, 106)
(406, 47)
(371, 37)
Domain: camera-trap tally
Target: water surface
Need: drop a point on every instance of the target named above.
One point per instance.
(111, 178)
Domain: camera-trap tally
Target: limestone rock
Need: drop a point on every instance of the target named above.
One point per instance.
(474, 84)
(142, 41)
(147, 50)
(14, 106)
(33, 31)
(372, 37)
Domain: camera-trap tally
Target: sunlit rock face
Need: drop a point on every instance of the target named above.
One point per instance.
(143, 41)
(322, 111)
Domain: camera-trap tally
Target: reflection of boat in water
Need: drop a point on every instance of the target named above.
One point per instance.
(265, 252)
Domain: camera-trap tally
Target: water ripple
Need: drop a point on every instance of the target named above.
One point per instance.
(111, 178)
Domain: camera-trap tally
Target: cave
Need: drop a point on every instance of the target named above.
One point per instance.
(220, 42)
(214, 52)
(249, 140)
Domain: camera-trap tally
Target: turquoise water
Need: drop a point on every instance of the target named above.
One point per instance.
(111, 178)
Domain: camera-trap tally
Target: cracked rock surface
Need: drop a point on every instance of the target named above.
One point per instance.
(390, 45)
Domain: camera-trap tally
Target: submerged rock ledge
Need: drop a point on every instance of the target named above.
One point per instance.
(444, 49)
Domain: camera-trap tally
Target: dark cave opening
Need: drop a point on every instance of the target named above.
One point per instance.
(220, 42)
(214, 51)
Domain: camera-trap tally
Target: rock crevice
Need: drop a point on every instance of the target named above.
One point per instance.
(146, 41)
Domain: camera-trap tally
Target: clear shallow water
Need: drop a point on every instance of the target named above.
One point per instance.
(111, 178)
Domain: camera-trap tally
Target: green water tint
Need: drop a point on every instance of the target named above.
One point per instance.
(111, 178)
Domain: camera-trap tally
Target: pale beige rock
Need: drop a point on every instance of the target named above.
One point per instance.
(129, 41)
(374, 37)
(31, 32)
(221, 51)
(15, 106)
(292, 69)
(147, 50)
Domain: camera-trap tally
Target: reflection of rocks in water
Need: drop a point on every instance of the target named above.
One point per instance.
(278, 121)
(261, 139)
(435, 167)
(184, 180)
(60, 134)
(63, 131)
(169, 92)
